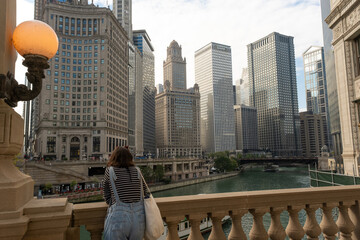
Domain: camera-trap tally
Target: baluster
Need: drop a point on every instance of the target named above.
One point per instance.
(276, 230)
(217, 232)
(328, 225)
(95, 231)
(344, 223)
(172, 223)
(195, 221)
(294, 230)
(355, 218)
(258, 231)
(237, 232)
(311, 227)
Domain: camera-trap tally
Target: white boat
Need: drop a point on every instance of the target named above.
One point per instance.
(184, 227)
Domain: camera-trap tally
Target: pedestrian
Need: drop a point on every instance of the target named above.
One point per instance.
(124, 192)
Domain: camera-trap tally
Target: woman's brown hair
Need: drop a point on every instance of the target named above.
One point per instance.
(121, 157)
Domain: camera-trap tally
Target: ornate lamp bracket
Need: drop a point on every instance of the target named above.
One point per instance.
(12, 91)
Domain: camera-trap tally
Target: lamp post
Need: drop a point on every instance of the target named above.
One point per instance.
(37, 43)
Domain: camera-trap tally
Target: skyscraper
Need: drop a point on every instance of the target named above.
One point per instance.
(175, 67)
(314, 133)
(213, 74)
(122, 10)
(244, 87)
(135, 103)
(177, 110)
(246, 128)
(273, 92)
(143, 42)
(82, 111)
(335, 128)
(315, 83)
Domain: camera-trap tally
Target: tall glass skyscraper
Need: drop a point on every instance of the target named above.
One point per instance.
(315, 83)
(143, 42)
(273, 92)
(335, 127)
(213, 74)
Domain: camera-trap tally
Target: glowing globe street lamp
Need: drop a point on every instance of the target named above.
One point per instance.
(37, 43)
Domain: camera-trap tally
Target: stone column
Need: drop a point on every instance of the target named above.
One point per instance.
(16, 188)
(67, 143)
(81, 148)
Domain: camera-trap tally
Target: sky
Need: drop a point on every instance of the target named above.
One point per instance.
(195, 23)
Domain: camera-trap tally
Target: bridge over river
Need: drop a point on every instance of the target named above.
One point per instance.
(283, 161)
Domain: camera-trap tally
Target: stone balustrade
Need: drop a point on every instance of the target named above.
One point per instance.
(257, 203)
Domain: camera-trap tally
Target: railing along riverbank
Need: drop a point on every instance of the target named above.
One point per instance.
(257, 203)
(330, 178)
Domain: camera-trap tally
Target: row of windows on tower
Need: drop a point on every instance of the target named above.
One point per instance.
(76, 61)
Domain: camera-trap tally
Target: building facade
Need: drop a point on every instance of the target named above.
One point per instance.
(213, 74)
(143, 42)
(178, 122)
(246, 128)
(135, 102)
(313, 130)
(82, 112)
(177, 110)
(316, 84)
(244, 87)
(335, 128)
(273, 92)
(344, 22)
(122, 10)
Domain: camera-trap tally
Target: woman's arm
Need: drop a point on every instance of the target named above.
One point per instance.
(106, 187)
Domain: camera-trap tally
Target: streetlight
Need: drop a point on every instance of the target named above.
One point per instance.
(37, 43)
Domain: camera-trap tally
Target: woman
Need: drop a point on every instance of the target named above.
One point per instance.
(122, 183)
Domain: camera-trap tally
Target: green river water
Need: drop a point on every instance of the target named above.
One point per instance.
(250, 180)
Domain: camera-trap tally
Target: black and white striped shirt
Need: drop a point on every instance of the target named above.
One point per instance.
(127, 185)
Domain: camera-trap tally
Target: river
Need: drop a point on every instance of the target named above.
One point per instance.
(250, 180)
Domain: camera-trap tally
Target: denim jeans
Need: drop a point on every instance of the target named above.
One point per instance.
(125, 221)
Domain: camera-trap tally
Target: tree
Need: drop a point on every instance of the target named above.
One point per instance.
(159, 172)
(147, 173)
(225, 164)
(48, 187)
(73, 184)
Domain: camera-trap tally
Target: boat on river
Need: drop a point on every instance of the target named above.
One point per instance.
(271, 168)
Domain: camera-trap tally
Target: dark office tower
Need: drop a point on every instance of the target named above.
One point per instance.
(143, 42)
(335, 127)
(273, 92)
(313, 133)
(82, 111)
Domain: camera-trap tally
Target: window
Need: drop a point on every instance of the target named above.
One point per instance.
(96, 144)
(51, 144)
(357, 56)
